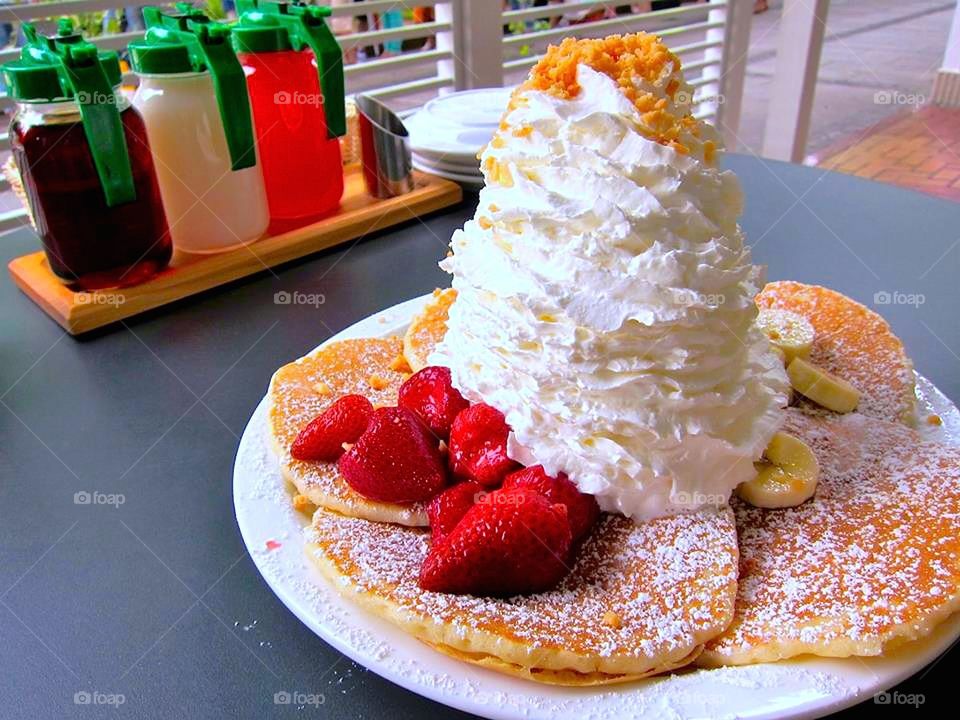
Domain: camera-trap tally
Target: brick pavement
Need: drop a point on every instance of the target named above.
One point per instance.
(918, 149)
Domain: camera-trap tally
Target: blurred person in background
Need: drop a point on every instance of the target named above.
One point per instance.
(425, 14)
(343, 25)
(392, 19)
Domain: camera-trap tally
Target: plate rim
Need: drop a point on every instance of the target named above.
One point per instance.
(391, 321)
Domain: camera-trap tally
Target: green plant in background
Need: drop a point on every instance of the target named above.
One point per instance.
(91, 24)
(519, 27)
(214, 9)
(94, 24)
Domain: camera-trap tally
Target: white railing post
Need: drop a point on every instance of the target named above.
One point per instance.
(447, 41)
(477, 43)
(802, 26)
(724, 94)
(946, 85)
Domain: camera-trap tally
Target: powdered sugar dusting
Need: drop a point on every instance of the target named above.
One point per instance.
(854, 343)
(873, 556)
(697, 693)
(301, 390)
(809, 686)
(670, 581)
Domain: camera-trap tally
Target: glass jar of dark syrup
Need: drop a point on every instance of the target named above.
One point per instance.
(86, 165)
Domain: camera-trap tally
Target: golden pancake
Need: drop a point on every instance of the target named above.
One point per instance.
(428, 328)
(305, 388)
(873, 560)
(640, 599)
(570, 678)
(853, 343)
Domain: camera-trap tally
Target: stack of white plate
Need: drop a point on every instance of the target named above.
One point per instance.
(449, 131)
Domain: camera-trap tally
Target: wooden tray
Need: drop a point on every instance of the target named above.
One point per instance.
(190, 274)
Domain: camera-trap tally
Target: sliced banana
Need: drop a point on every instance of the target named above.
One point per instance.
(786, 478)
(822, 387)
(788, 331)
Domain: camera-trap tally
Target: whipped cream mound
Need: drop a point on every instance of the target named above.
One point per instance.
(605, 297)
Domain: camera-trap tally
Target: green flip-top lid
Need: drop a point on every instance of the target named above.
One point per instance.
(304, 26)
(64, 66)
(257, 32)
(186, 40)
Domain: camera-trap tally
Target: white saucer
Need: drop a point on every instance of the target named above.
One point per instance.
(798, 688)
(472, 168)
(471, 108)
(453, 128)
(472, 182)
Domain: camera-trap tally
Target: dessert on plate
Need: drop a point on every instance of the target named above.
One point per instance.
(609, 450)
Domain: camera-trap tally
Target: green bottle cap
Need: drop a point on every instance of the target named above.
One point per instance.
(67, 67)
(159, 55)
(257, 32)
(188, 41)
(306, 27)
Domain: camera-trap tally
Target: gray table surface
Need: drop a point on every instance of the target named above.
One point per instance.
(155, 599)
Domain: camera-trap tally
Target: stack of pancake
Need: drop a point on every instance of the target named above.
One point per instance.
(871, 561)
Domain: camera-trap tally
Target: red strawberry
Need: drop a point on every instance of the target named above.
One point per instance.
(395, 460)
(512, 542)
(478, 445)
(582, 509)
(430, 393)
(323, 437)
(447, 508)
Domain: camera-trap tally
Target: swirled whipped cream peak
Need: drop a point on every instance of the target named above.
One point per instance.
(605, 298)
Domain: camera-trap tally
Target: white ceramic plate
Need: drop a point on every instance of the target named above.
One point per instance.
(453, 127)
(790, 689)
(472, 182)
(471, 169)
(473, 108)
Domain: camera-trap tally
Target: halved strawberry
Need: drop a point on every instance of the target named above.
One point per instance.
(430, 393)
(515, 541)
(323, 437)
(447, 508)
(582, 509)
(478, 445)
(395, 460)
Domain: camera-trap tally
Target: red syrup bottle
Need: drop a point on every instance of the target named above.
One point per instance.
(294, 71)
